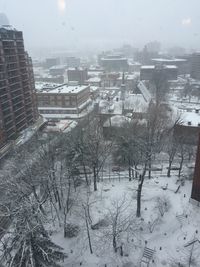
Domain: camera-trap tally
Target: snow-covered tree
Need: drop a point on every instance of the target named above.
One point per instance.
(28, 243)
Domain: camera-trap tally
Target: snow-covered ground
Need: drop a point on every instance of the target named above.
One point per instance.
(167, 234)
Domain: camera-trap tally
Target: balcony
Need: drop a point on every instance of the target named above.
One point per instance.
(3, 101)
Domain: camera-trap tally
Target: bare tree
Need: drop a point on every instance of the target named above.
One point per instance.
(93, 149)
(120, 220)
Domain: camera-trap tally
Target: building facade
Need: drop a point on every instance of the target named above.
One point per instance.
(17, 92)
(63, 101)
(169, 71)
(195, 66)
(114, 63)
(196, 180)
(77, 74)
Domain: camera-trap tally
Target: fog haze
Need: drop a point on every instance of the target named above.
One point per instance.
(100, 24)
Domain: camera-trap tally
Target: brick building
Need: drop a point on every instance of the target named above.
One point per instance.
(17, 94)
(63, 101)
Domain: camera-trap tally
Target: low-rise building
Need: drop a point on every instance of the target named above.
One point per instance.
(180, 63)
(147, 72)
(57, 70)
(94, 81)
(77, 74)
(66, 101)
(187, 132)
(195, 66)
(50, 62)
(114, 63)
(72, 62)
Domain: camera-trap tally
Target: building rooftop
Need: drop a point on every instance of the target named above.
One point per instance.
(58, 67)
(190, 119)
(7, 28)
(40, 86)
(169, 60)
(170, 67)
(148, 67)
(165, 67)
(94, 79)
(60, 126)
(114, 58)
(66, 89)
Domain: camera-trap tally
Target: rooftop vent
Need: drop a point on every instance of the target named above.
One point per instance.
(189, 123)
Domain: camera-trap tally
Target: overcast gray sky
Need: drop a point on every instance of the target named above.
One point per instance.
(77, 23)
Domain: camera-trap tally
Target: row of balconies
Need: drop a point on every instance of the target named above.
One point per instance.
(11, 35)
(11, 59)
(21, 124)
(8, 44)
(4, 99)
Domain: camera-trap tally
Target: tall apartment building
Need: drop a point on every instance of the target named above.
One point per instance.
(195, 66)
(17, 90)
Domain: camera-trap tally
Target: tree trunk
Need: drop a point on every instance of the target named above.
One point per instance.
(180, 168)
(85, 173)
(139, 192)
(88, 231)
(149, 168)
(95, 179)
(169, 168)
(129, 169)
(114, 243)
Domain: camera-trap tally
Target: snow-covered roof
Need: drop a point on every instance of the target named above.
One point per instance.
(77, 69)
(114, 59)
(94, 80)
(8, 27)
(95, 73)
(60, 126)
(190, 119)
(128, 77)
(58, 67)
(66, 89)
(136, 103)
(145, 92)
(116, 121)
(169, 60)
(148, 67)
(94, 88)
(45, 86)
(153, 67)
(170, 67)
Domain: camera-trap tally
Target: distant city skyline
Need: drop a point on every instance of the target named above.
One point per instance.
(92, 24)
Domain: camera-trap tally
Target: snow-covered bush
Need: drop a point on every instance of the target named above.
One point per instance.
(162, 205)
(101, 223)
(71, 230)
